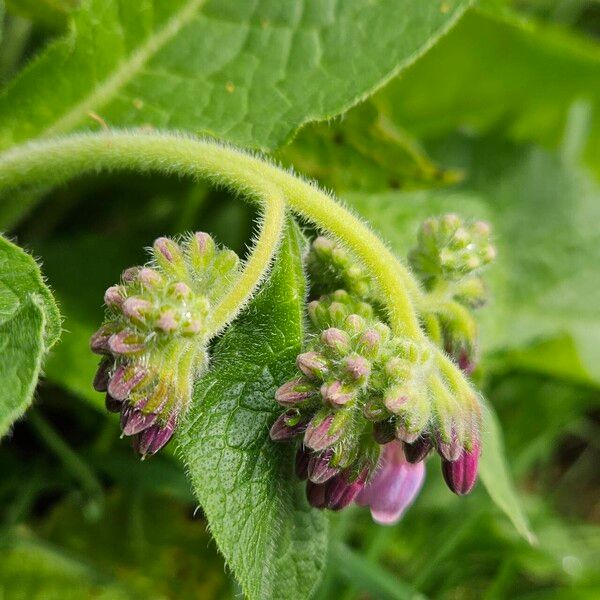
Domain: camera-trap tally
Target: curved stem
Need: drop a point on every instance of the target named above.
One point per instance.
(55, 160)
(257, 265)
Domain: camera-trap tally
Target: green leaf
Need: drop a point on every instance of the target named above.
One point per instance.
(273, 542)
(29, 325)
(525, 78)
(248, 72)
(494, 474)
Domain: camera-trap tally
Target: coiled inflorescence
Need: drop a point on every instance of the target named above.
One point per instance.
(370, 405)
(153, 340)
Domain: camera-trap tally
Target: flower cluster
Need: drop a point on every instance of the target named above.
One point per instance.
(369, 405)
(153, 341)
(448, 259)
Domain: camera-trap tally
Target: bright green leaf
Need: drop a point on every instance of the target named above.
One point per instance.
(494, 474)
(248, 72)
(273, 542)
(29, 325)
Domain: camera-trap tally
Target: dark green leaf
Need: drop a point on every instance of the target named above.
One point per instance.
(273, 542)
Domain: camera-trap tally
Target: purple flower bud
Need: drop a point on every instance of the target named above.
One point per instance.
(149, 278)
(335, 393)
(114, 296)
(294, 391)
(99, 341)
(384, 432)
(461, 474)
(112, 405)
(449, 449)
(336, 339)
(370, 341)
(287, 425)
(395, 399)
(394, 487)
(181, 290)
(102, 375)
(204, 242)
(357, 367)
(342, 491)
(302, 459)
(319, 469)
(124, 379)
(354, 323)
(466, 363)
(167, 321)
(125, 342)
(134, 420)
(317, 435)
(157, 436)
(316, 494)
(312, 365)
(418, 450)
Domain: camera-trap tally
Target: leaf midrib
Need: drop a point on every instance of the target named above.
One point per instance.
(106, 90)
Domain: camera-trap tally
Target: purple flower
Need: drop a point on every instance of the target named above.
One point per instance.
(461, 474)
(394, 487)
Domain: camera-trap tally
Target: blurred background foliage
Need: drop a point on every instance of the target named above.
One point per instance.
(500, 120)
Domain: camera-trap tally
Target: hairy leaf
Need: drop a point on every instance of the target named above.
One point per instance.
(274, 543)
(29, 326)
(250, 72)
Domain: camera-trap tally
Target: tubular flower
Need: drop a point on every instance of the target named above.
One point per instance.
(153, 341)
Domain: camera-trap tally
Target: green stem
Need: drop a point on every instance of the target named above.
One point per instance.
(57, 160)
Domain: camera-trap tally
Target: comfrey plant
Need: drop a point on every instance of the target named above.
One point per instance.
(358, 378)
(369, 404)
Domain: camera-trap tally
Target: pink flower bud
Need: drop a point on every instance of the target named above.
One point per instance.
(126, 342)
(114, 296)
(150, 278)
(130, 275)
(99, 341)
(102, 375)
(316, 494)
(357, 367)
(167, 321)
(157, 436)
(335, 393)
(136, 308)
(294, 391)
(312, 365)
(461, 474)
(134, 420)
(405, 435)
(395, 399)
(449, 449)
(317, 435)
(336, 339)
(181, 290)
(167, 248)
(342, 491)
(124, 380)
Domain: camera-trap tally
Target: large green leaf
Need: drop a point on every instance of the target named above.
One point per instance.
(503, 71)
(29, 326)
(274, 543)
(250, 72)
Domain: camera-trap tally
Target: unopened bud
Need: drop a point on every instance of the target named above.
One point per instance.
(287, 425)
(136, 309)
(126, 342)
(318, 435)
(319, 468)
(102, 376)
(313, 365)
(114, 296)
(357, 367)
(384, 432)
(124, 380)
(293, 392)
(150, 278)
(336, 340)
(157, 436)
(461, 474)
(418, 450)
(336, 393)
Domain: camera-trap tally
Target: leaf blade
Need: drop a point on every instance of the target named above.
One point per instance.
(272, 540)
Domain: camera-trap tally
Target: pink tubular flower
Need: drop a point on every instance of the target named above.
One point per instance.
(394, 487)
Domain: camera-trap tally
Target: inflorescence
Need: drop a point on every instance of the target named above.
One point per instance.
(369, 405)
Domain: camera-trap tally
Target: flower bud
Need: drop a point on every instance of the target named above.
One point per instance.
(461, 474)
(114, 296)
(156, 437)
(319, 468)
(130, 274)
(449, 446)
(316, 494)
(336, 340)
(167, 252)
(342, 489)
(134, 420)
(136, 308)
(150, 278)
(357, 367)
(167, 321)
(384, 432)
(287, 425)
(312, 365)
(318, 435)
(293, 392)
(112, 405)
(124, 380)
(102, 376)
(201, 250)
(418, 450)
(335, 393)
(99, 341)
(126, 342)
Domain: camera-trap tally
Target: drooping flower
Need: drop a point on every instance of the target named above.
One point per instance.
(153, 339)
(393, 487)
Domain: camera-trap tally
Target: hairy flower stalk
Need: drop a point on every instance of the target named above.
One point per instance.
(369, 405)
(153, 340)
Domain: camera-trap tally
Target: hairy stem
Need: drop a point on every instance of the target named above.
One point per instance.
(52, 161)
